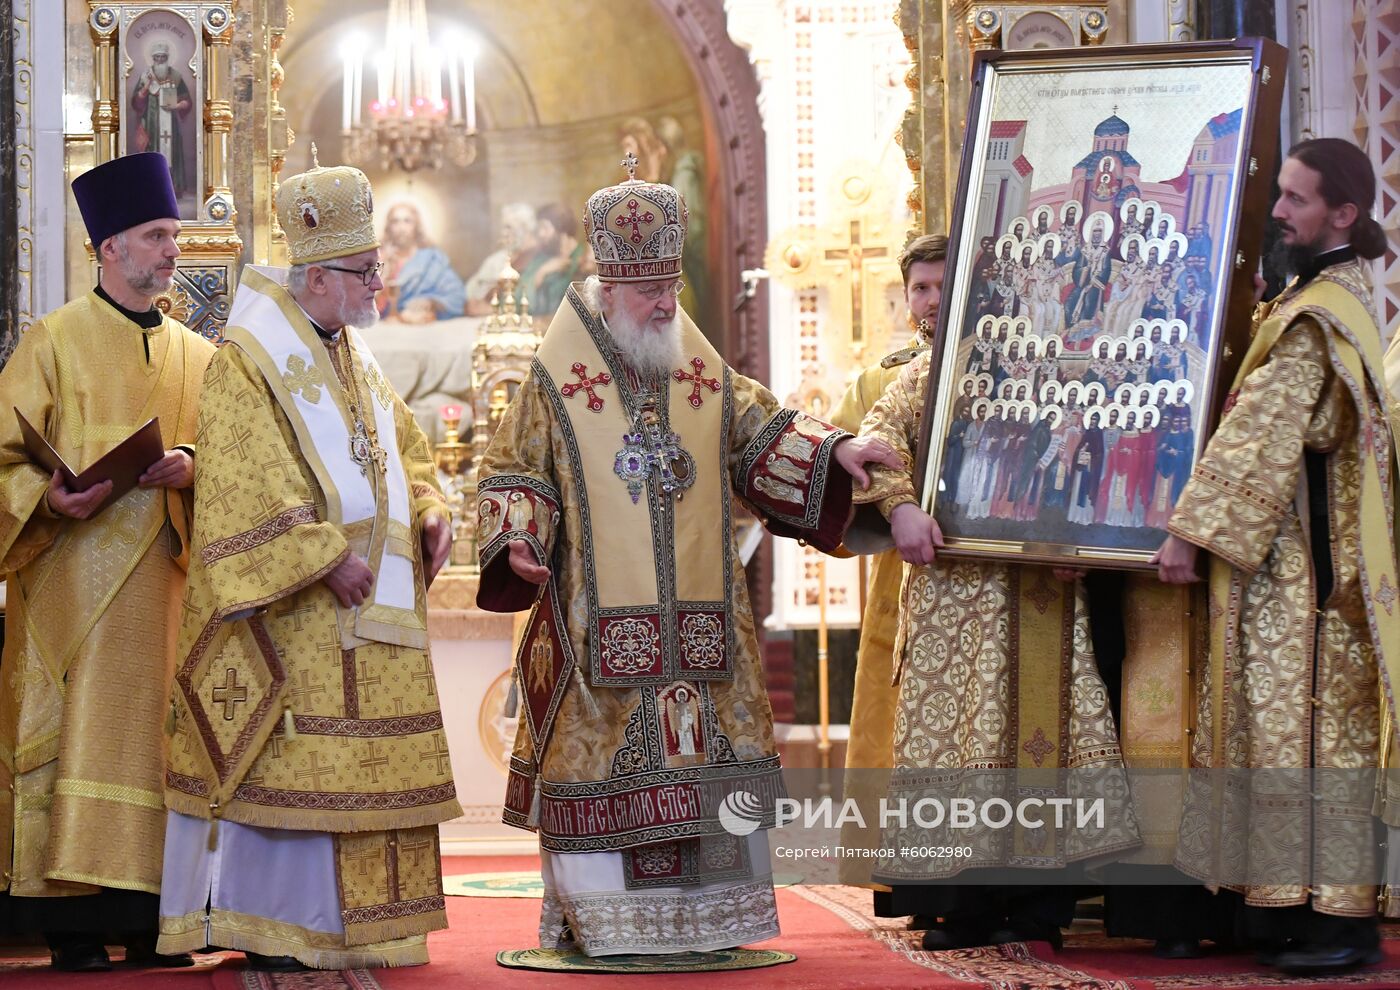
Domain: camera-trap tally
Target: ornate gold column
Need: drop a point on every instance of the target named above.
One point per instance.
(259, 29)
(106, 115)
(1181, 20)
(218, 115)
(279, 135)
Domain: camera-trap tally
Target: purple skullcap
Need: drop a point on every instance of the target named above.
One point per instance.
(124, 193)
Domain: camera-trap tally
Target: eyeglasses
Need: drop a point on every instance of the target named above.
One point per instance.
(653, 290)
(365, 275)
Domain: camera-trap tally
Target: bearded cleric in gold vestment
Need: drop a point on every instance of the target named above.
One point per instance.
(1293, 499)
(607, 501)
(94, 596)
(309, 769)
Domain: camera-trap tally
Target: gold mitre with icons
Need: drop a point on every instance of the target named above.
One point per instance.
(636, 229)
(327, 213)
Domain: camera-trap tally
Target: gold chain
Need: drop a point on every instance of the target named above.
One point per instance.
(351, 389)
(345, 366)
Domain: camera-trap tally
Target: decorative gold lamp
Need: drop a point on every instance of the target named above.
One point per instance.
(505, 344)
(451, 455)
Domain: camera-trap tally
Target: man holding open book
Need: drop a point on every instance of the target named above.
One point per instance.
(95, 570)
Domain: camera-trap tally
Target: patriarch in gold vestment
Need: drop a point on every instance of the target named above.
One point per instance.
(309, 769)
(607, 502)
(93, 596)
(1293, 500)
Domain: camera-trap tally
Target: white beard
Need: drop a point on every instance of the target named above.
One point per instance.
(355, 314)
(647, 350)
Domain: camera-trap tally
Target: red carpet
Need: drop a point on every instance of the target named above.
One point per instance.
(837, 943)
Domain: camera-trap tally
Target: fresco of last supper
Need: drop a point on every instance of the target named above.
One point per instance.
(1078, 357)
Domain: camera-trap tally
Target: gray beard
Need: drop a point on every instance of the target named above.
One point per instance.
(645, 350)
(355, 314)
(144, 280)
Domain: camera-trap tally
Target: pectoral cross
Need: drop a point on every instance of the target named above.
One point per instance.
(364, 448)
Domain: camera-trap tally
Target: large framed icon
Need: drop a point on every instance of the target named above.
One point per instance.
(162, 74)
(1110, 211)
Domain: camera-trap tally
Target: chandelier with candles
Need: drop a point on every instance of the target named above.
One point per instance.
(412, 123)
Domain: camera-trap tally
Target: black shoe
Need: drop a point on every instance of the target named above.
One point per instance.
(955, 935)
(1267, 953)
(1028, 931)
(275, 964)
(142, 955)
(1319, 960)
(1177, 948)
(80, 957)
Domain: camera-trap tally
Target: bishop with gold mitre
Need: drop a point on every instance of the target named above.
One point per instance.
(309, 770)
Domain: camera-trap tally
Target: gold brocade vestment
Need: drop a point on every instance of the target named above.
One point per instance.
(93, 605)
(876, 696)
(996, 678)
(280, 724)
(624, 769)
(1292, 686)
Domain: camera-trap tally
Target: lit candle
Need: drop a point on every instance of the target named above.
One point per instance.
(348, 79)
(451, 412)
(469, 86)
(454, 89)
(381, 76)
(359, 95)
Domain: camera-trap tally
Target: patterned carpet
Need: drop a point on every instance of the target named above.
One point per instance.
(345, 979)
(838, 943)
(1089, 961)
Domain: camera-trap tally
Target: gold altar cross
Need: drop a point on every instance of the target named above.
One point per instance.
(230, 693)
(847, 262)
(851, 256)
